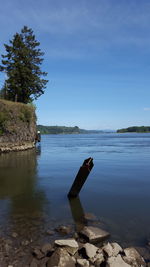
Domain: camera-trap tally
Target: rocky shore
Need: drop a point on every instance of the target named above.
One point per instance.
(87, 248)
(17, 126)
(9, 147)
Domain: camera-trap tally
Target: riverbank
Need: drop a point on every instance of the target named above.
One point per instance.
(17, 126)
(9, 147)
(87, 248)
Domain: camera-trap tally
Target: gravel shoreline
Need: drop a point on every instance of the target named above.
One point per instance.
(86, 248)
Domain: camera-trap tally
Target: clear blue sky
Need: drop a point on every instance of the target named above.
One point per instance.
(97, 55)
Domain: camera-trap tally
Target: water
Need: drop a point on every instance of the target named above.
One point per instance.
(34, 186)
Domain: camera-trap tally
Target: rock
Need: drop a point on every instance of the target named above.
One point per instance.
(38, 254)
(25, 243)
(133, 257)
(34, 263)
(89, 216)
(116, 262)
(82, 263)
(98, 258)
(144, 252)
(49, 232)
(61, 258)
(70, 245)
(43, 262)
(94, 234)
(112, 249)
(90, 250)
(14, 235)
(148, 241)
(65, 230)
(46, 248)
(7, 249)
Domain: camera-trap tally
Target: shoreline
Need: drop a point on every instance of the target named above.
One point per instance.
(86, 248)
(18, 146)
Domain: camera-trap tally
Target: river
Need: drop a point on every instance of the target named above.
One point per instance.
(34, 186)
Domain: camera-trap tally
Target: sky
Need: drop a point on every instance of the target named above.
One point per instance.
(97, 55)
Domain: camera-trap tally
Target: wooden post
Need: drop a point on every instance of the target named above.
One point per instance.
(81, 177)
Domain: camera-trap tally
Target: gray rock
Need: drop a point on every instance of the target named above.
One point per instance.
(117, 262)
(90, 250)
(65, 230)
(98, 258)
(25, 243)
(61, 258)
(89, 216)
(34, 263)
(14, 234)
(38, 254)
(43, 262)
(133, 257)
(144, 252)
(82, 263)
(94, 234)
(112, 249)
(70, 245)
(46, 248)
(49, 232)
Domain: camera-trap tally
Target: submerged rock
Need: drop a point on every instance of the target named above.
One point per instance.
(65, 230)
(94, 234)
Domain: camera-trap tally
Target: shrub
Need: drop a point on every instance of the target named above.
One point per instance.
(3, 119)
(25, 114)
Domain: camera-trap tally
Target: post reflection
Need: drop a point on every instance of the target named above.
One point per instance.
(23, 200)
(77, 213)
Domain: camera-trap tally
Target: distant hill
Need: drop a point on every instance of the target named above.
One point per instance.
(64, 130)
(58, 129)
(135, 129)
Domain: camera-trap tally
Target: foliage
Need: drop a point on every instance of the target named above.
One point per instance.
(3, 119)
(25, 114)
(22, 66)
(133, 129)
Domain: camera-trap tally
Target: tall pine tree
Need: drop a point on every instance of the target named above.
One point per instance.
(22, 65)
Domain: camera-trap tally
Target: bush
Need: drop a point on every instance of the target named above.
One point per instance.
(26, 114)
(3, 119)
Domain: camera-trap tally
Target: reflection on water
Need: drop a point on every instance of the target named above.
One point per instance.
(22, 200)
(77, 213)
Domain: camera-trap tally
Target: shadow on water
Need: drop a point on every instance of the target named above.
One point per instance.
(21, 199)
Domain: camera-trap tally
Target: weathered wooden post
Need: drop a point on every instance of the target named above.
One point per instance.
(81, 177)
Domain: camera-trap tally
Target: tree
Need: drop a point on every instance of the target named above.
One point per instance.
(22, 65)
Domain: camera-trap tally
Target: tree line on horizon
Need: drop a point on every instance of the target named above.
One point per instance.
(135, 129)
(58, 129)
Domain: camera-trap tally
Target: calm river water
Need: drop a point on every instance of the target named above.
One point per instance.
(34, 186)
